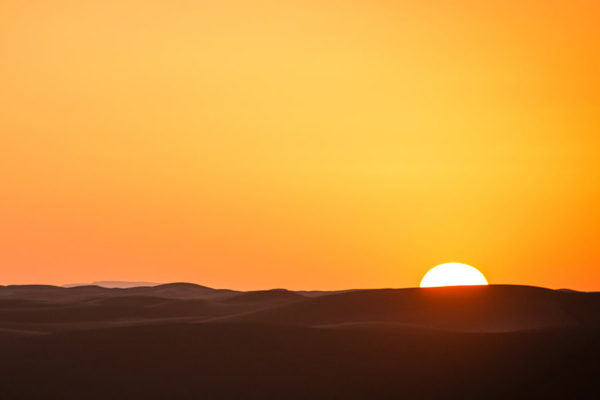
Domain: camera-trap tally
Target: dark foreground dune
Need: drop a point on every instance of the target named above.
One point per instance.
(183, 341)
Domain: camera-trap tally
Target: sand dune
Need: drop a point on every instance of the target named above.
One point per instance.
(495, 308)
(185, 341)
(477, 309)
(77, 293)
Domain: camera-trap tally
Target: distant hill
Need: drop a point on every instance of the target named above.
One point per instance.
(79, 293)
(112, 284)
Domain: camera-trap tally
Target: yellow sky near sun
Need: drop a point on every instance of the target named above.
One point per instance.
(299, 144)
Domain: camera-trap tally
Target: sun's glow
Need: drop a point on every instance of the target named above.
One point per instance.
(453, 274)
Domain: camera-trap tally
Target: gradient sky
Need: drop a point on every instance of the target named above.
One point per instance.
(299, 144)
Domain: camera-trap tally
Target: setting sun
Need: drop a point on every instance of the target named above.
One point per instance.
(453, 274)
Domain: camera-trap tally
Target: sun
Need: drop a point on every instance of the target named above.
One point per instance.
(453, 274)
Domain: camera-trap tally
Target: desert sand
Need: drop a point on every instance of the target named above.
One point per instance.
(186, 341)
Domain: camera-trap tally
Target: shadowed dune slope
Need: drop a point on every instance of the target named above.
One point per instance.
(273, 296)
(494, 308)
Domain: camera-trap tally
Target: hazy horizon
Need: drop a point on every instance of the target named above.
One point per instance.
(123, 284)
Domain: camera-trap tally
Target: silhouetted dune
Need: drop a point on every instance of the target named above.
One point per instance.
(179, 291)
(186, 341)
(318, 293)
(51, 293)
(77, 293)
(268, 296)
(493, 308)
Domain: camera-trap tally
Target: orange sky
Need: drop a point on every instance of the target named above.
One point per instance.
(299, 144)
